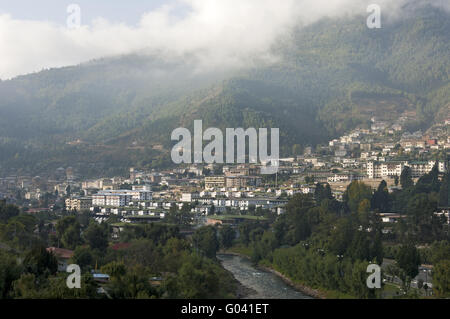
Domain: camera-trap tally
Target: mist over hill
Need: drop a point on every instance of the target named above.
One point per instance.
(324, 79)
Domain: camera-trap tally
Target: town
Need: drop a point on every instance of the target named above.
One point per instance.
(380, 152)
(369, 165)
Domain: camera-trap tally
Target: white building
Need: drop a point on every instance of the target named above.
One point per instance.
(120, 198)
(391, 169)
(189, 197)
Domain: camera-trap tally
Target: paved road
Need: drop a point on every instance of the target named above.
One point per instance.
(424, 274)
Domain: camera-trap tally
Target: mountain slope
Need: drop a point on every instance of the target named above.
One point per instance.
(330, 77)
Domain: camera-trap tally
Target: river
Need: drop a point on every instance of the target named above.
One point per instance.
(264, 285)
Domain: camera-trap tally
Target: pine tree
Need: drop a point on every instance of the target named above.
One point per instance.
(444, 193)
(406, 178)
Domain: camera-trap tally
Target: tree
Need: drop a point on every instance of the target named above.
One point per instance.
(423, 223)
(227, 235)
(441, 278)
(82, 257)
(26, 287)
(114, 269)
(440, 251)
(363, 212)
(68, 190)
(9, 271)
(322, 193)
(181, 217)
(406, 178)
(244, 233)
(295, 225)
(71, 236)
(357, 192)
(63, 225)
(408, 259)
(97, 236)
(133, 284)
(380, 198)
(359, 249)
(40, 262)
(205, 241)
(444, 192)
(309, 179)
(377, 249)
(263, 247)
(429, 182)
(7, 211)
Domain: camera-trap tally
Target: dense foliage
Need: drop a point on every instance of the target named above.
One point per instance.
(329, 77)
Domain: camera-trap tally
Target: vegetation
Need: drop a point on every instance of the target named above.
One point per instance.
(183, 267)
(330, 77)
(325, 244)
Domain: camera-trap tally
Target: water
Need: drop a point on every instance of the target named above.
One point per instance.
(265, 284)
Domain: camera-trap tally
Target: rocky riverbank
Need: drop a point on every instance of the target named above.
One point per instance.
(303, 289)
(244, 291)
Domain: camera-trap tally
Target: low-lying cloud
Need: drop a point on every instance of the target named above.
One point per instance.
(221, 33)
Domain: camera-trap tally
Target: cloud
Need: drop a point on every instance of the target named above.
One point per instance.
(221, 33)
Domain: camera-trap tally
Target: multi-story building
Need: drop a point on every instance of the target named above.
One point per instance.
(120, 198)
(419, 169)
(384, 170)
(189, 197)
(391, 169)
(242, 171)
(78, 204)
(214, 182)
(242, 181)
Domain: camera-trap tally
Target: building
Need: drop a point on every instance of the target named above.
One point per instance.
(144, 188)
(390, 217)
(242, 171)
(215, 182)
(189, 197)
(78, 204)
(96, 184)
(391, 169)
(419, 169)
(120, 198)
(242, 181)
(384, 170)
(62, 255)
(445, 213)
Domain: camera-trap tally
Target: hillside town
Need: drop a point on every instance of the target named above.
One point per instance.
(371, 155)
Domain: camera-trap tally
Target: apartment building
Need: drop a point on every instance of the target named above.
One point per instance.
(385, 169)
(419, 169)
(242, 181)
(78, 204)
(391, 169)
(120, 198)
(189, 197)
(214, 182)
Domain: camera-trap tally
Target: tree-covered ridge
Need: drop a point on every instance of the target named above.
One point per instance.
(329, 77)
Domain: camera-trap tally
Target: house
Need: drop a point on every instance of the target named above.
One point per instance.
(62, 255)
(100, 278)
(445, 213)
(390, 217)
(189, 197)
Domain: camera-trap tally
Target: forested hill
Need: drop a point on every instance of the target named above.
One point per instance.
(330, 77)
